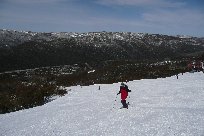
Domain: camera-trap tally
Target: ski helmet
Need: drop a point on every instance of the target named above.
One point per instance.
(122, 84)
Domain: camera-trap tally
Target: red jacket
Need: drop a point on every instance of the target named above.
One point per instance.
(124, 93)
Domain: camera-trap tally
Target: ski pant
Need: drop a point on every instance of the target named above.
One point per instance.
(124, 103)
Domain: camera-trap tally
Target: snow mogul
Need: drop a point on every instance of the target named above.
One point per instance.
(124, 93)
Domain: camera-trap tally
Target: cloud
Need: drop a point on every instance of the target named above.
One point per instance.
(144, 3)
(36, 1)
(177, 17)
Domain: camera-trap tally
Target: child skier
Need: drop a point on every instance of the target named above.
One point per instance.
(124, 93)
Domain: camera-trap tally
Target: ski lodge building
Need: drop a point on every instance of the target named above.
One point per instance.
(196, 66)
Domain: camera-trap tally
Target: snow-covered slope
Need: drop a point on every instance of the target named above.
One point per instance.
(161, 107)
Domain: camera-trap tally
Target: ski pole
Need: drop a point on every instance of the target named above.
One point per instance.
(115, 101)
(128, 100)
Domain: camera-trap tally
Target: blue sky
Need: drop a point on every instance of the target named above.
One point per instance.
(172, 17)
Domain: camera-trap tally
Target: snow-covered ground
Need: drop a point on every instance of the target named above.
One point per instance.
(158, 107)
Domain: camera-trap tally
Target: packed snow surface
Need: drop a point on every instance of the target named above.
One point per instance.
(158, 107)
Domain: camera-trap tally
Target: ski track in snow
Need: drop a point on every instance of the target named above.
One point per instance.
(158, 107)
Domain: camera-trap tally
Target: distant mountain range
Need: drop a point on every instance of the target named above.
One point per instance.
(22, 50)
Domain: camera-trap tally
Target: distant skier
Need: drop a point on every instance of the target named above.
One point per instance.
(124, 93)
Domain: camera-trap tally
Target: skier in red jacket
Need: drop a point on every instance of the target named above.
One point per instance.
(124, 93)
